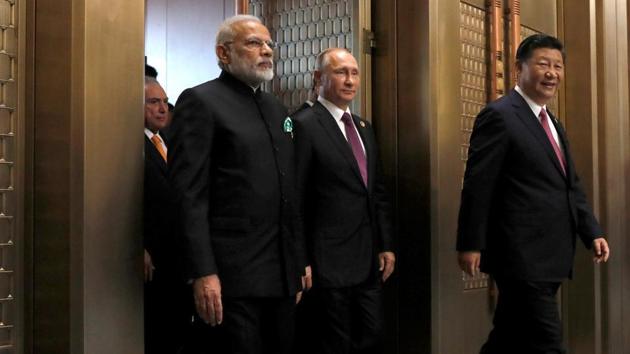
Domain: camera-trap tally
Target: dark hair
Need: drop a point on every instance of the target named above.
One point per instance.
(150, 71)
(535, 41)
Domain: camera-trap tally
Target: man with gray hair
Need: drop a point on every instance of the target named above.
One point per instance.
(231, 163)
(347, 213)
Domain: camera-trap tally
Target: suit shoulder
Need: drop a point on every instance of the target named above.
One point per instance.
(497, 110)
(197, 92)
(303, 116)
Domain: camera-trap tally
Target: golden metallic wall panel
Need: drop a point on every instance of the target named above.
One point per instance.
(9, 40)
(6, 181)
(5, 67)
(9, 93)
(5, 121)
(474, 68)
(6, 14)
(302, 28)
(8, 158)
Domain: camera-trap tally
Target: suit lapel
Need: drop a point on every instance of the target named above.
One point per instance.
(339, 141)
(525, 114)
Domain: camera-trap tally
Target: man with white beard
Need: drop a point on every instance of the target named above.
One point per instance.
(231, 163)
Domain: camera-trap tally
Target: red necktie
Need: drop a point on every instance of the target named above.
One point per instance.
(355, 144)
(158, 145)
(544, 121)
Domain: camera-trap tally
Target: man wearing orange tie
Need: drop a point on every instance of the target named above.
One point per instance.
(167, 298)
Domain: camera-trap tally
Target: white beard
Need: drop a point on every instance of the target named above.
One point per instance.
(249, 74)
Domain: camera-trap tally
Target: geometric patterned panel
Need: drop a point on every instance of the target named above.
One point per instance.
(474, 92)
(474, 70)
(302, 29)
(8, 153)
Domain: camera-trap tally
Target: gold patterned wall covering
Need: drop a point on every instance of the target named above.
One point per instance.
(8, 173)
(302, 28)
(473, 90)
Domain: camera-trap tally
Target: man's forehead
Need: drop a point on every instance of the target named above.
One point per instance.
(550, 53)
(248, 29)
(342, 59)
(154, 90)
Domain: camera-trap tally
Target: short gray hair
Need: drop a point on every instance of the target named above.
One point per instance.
(148, 80)
(324, 57)
(226, 31)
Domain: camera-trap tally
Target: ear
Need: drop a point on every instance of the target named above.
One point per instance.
(317, 80)
(222, 54)
(317, 77)
(518, 68)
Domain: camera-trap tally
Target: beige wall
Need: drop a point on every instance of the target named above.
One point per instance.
(180, 40)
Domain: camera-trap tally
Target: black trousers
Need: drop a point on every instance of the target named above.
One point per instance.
(250, 326)
(526, 320)
(349, 320)
(168, 310)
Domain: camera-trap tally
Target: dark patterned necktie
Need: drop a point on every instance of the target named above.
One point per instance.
(355, 144)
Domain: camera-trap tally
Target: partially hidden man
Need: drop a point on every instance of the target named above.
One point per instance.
(346, 212)
(166, 295)
(231, 162)
(522, 205)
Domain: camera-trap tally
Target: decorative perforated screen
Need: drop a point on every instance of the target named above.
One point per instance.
(8, 154)
(474, 91)
(302, 28)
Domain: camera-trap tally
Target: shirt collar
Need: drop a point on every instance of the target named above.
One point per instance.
(335, 111)
(535, 107)
(150, 134)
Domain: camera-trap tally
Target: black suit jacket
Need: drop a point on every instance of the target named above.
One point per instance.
(160, 231)
(346, 224)
(231, 162)
(302, 107)
(517, 206)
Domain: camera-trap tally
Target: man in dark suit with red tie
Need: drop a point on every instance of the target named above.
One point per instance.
(346, 211)
(231, 162)
(167, 296)
(523, 205)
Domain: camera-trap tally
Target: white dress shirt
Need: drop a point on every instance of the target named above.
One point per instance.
(337, 113)
(536, 108)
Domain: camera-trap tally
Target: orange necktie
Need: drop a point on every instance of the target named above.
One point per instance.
(158, 145)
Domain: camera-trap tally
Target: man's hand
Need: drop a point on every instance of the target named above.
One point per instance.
(148, 267)
(307, 283)
(601, 250)
(207, 293)
(307, 279)
(387, 261)
(469, 262)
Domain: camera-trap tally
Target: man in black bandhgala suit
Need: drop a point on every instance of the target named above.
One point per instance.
(231, 163)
